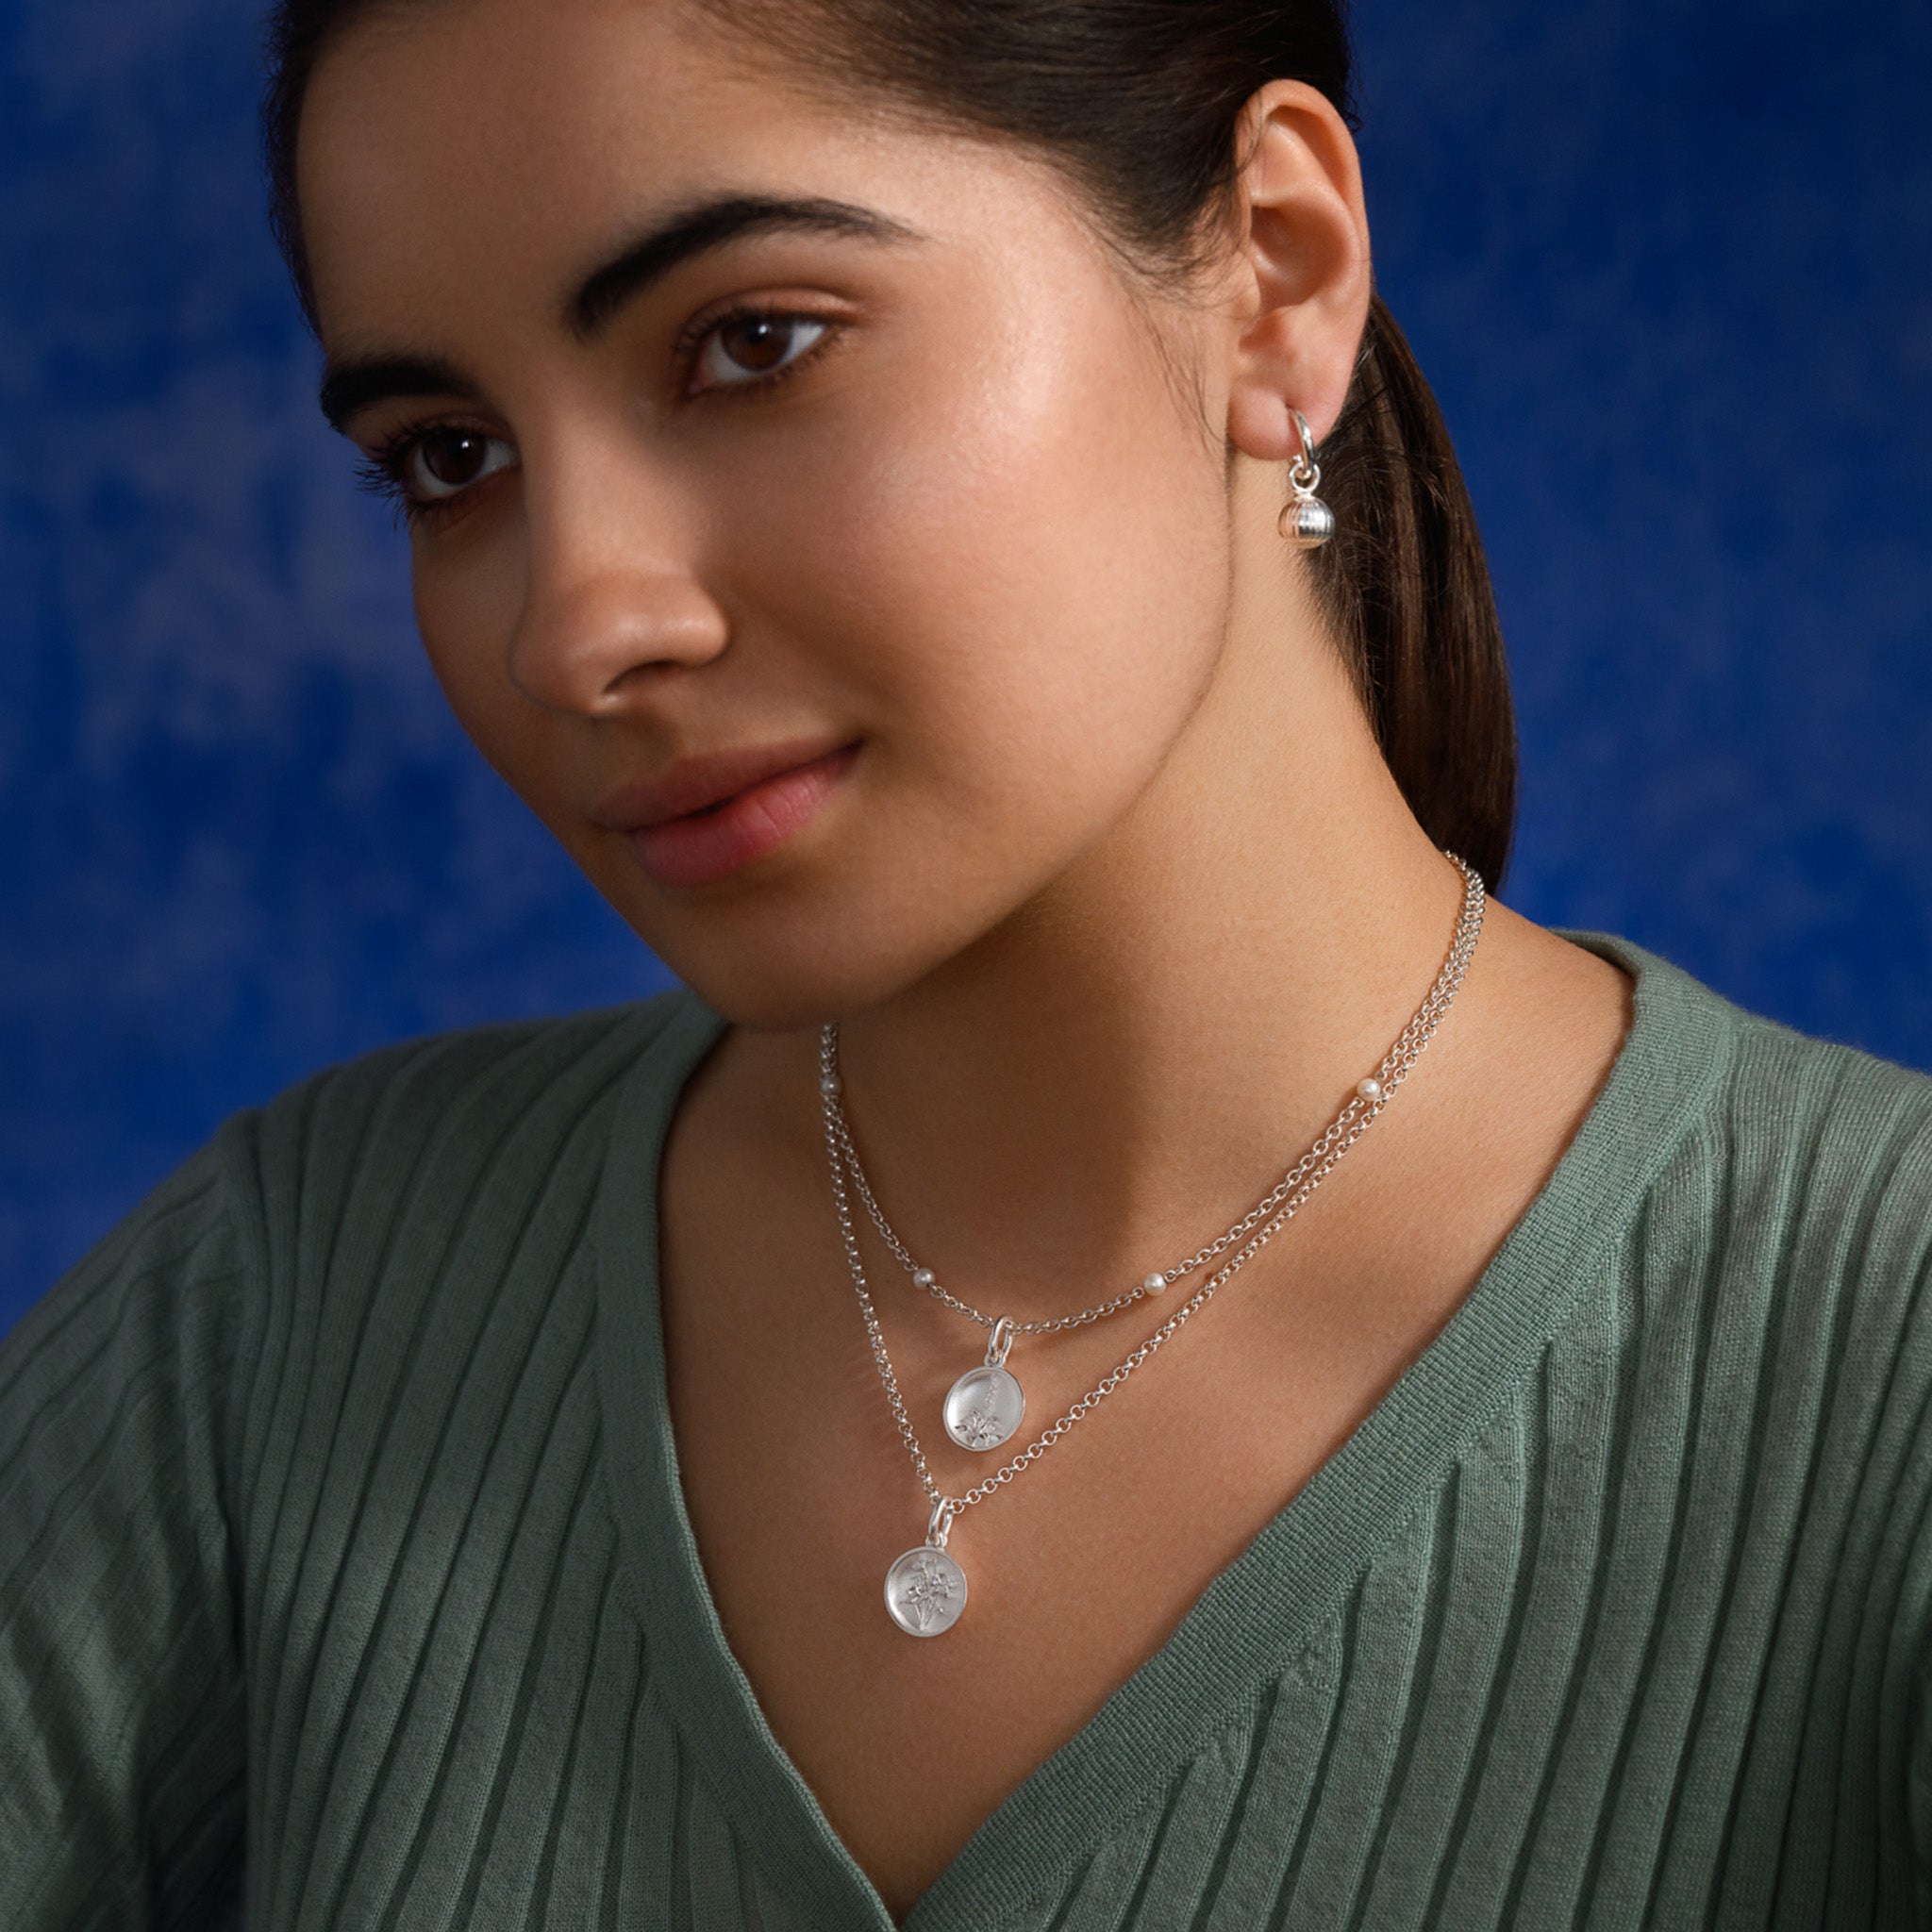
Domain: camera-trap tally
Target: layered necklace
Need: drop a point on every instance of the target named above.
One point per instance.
(925, 1588)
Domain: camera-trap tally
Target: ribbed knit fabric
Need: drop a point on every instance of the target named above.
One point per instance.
(345, 1580)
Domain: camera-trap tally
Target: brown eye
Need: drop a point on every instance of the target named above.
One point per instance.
(445, 462)
(748, 346)
(756, 341)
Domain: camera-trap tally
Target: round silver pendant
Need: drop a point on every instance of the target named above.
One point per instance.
(925, 1591)
(984, 1407)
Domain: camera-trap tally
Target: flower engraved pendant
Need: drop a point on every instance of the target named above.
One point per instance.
(984, 1406)
(926, 1589)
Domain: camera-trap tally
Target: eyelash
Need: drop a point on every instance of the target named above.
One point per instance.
(692, 337)
(381, 471)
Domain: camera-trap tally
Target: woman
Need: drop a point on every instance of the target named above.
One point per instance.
(1381, 1413)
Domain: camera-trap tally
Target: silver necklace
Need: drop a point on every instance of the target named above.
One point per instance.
(986, 1404)
(925, 1588)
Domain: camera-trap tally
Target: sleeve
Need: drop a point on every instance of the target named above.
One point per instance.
(1916, 1633)
(122, 1728)
(1910, 1663)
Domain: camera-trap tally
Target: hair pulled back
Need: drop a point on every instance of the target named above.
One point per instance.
(1139, 103)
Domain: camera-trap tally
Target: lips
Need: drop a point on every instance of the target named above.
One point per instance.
(712, 816)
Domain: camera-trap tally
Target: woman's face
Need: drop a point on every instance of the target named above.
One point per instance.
(749, 437)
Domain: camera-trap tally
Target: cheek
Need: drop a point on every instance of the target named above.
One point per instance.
(1025, 558)
(467, 588)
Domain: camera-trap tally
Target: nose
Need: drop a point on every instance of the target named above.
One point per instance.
(588, 644)
(610, 599)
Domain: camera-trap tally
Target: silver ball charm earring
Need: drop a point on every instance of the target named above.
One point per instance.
(1308, 523)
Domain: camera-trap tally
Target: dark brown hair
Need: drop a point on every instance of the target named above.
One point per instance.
(1139, 102)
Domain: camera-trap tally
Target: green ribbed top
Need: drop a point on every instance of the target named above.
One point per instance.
(345, 1579)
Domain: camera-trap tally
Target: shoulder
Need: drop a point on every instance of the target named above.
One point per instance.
(298, 1215)
(1785, 1242)
(450, 1100)
(1783, 1231)
(422, 1175)
(414, 1084)
(1777, 1362)
(1818, 1157)
(1790, 1141)
(1824, 1152)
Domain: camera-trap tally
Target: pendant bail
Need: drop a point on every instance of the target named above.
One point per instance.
(938, 1524)
(1002, 1341)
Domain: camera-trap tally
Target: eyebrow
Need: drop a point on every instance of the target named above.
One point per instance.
(352, 386)
(708, 224)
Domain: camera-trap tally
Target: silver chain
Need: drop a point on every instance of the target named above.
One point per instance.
(1276, 1208)
(1386, 1077)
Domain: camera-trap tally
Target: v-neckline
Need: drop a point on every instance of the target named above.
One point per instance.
(1253, 1617)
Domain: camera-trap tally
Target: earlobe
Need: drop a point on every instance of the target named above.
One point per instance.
(1305, 279)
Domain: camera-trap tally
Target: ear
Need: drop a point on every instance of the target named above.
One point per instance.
(1301, 281)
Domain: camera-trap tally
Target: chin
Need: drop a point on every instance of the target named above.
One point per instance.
(777, 968)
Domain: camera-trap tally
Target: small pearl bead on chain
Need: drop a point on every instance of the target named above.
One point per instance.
(829, 1084)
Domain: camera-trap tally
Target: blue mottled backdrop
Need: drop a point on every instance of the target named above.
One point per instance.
(1670, 269)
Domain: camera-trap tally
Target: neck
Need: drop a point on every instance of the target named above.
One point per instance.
(1105, 1082)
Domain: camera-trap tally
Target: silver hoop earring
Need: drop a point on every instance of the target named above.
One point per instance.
(1308, 523)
